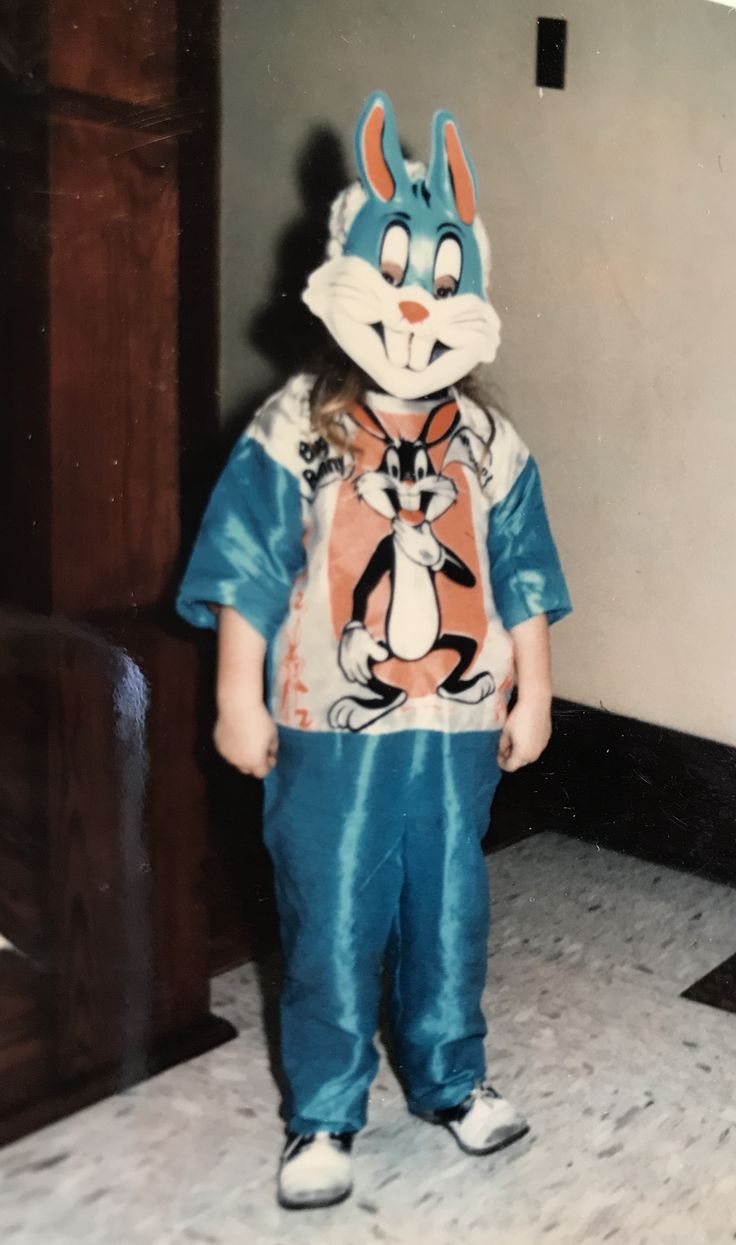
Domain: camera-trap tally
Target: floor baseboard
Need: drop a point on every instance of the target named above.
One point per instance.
(631, 786)
(717, 988)
(167, 1051)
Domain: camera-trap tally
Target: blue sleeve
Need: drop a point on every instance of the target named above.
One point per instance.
(250, 545)
(526, 575)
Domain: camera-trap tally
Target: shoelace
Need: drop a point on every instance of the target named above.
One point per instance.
(300, 1141)
(483, 1090)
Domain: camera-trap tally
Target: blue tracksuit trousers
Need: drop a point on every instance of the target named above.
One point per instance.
(376, 849)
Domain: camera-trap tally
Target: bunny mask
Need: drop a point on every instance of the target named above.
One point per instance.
(403, 290)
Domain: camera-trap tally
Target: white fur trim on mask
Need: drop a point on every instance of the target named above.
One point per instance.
(346, 205)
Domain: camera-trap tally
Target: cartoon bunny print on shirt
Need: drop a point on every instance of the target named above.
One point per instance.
(406, 490)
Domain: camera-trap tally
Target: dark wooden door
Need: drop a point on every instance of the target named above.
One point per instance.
(108, 140)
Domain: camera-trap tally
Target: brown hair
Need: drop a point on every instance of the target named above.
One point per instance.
(338, 383)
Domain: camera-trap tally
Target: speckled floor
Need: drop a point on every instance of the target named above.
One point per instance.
(629, 1088)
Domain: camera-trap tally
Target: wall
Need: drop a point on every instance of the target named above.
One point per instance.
(611, 211)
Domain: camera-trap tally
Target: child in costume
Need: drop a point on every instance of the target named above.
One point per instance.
(382, 543)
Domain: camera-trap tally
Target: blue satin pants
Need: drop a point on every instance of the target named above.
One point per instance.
(375, 842)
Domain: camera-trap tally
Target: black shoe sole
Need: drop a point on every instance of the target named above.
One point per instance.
(500, 1145)
(319, 1204)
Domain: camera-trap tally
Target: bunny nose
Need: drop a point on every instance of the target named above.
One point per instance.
(413, 312)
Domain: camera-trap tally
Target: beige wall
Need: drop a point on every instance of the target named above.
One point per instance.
(612, 212)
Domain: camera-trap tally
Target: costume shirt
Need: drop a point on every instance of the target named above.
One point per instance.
(384, 576)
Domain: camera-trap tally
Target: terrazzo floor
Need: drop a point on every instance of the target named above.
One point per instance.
(629, 1088)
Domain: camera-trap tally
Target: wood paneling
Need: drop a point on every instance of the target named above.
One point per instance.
(108, 129)
(86, 878)
(25, 547)
(119, 49)
(25, 1048)
(24, 41)
(199, 422)
(23, 805)
(117, 985)
(176, 805)
(114, 318)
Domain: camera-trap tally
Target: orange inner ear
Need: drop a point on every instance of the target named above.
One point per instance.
(377, 170)
(462, 178)
(441, 422)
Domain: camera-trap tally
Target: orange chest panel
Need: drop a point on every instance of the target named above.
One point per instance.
(357, 531)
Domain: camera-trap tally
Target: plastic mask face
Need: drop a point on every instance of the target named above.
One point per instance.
(406, 298)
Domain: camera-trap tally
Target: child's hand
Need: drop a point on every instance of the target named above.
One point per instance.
(246, 736)
(526, 733)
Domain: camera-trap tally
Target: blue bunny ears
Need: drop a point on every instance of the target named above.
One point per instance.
(427, 204)
(450, 176)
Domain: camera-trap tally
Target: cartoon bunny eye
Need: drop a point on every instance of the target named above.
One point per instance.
(421, 464)
(394, 254)
(447, 267)
(393, 466)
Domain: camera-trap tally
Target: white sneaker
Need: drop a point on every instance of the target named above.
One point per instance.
(483, 1122)
(316, 1170)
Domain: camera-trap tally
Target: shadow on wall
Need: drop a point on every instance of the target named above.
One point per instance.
(283, 330)
(238, 878)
